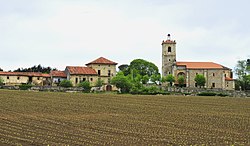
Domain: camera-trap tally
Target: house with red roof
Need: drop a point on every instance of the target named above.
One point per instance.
(18, 78)
(216, 75)
(99, 69)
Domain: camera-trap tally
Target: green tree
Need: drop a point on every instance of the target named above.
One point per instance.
(1, 81)
(200, 80)
(124, 68)
(85, 85)
(143, 67)
(145, 79)
(66, 83)
(122, 82)
(155, 78)
(99, 83)
(181, 80)
(242, 71)
(170, 78)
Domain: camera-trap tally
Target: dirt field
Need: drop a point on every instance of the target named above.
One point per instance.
(42, 118)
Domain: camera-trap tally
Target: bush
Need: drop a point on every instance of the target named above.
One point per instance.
(207, 94)
(25, 86)
(66, 84)
(85, 85)
(222, 94)
(1, 81)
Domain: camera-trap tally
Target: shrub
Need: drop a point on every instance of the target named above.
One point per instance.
(222, 94)
(207, 94)
(25, 86)
(1, 81)
(66, 83)
(85, 85)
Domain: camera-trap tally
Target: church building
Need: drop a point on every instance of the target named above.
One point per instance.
(216, 75)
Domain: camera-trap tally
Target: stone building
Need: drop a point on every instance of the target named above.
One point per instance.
(99, 69)
(217, 76)
(18, 78)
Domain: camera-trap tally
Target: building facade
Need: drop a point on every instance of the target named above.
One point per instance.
(99, 69)
(216, 75)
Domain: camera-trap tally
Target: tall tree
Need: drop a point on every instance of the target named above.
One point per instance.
(143, 67)
(155, 78)
(35, 68)
(242, 71)
(200, 80)
(122, 82)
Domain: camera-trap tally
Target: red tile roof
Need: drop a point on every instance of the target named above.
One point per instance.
(78, 70)
(30, 74)
(200, 65)
(102, 60)
(58, 74)
(228, 79)
(168, 42)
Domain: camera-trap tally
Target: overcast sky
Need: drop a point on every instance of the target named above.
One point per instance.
(58, 33)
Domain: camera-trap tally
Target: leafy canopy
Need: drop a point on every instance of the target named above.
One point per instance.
(85, 85)
(66, 83)
(122, 82)
(143, 67)
(181, 80)
(200, 80)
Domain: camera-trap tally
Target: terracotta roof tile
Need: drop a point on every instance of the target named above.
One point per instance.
(58, 74)
(228, 79)
(78, 70)
(30, 74)
(200, 65)
(102, 60)
(168, 42)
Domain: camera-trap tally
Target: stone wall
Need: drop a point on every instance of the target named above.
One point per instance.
(195, 91)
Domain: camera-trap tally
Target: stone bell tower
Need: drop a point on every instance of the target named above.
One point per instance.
(168, 56)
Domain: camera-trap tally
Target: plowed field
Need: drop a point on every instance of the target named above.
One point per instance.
(44, 118)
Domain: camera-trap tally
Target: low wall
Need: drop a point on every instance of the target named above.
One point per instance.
(195, 91)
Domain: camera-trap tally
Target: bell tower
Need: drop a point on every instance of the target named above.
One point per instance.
(168, 56)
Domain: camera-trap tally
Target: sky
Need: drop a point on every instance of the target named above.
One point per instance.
(59, 33)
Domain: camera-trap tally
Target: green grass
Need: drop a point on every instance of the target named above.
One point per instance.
(47, 118)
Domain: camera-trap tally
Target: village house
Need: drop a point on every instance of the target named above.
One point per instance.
(57, 77)
(99, 69)
(18, 78)
(216, 75)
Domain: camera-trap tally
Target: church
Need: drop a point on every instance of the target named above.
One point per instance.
(216, 75)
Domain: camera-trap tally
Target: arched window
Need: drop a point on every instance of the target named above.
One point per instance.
(169, 49)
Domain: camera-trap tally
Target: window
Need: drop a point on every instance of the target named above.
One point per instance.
(99, 72)
(8, 77)
(196, 73)
(169, 59)
(169, 49)
(18, 78)
(169, 72)
(76, 80)
(109, 73)
(213, 74)
(195, 85)
(83, 79)
(213, 85)
(91, 79)
(109, 81)
(38, 78)
(225, 75)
